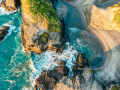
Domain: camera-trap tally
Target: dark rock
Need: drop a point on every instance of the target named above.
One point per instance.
(81, 62)
(10, 5)
(49, 79)
(3, 32)
(58, 77)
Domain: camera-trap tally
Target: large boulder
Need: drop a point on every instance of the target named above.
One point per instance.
(41, 28)
(10, 5)
(3, 32)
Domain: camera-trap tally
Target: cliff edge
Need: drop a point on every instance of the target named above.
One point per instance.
(41, 28)
(101, 14)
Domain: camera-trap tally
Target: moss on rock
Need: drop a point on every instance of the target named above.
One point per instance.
(44, 37)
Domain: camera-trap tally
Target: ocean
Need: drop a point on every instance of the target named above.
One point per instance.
(18, 69)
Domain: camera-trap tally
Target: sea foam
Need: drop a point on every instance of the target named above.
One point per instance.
(49, 60)
(4, 12)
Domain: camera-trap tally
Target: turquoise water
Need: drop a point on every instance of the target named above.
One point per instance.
(14, 62)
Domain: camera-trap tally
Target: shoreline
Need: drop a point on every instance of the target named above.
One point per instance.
(104, 36)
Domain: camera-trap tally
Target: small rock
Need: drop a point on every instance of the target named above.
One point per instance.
(3, 32)
(81, 62)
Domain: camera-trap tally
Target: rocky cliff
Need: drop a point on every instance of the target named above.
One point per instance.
(98, 14)
(41, 28)
(59, 79)
(10, 5)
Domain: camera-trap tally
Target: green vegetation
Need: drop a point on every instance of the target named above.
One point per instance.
(117, 5)
(116, 18)
(44, 37)
(115, 87)
(42, 11)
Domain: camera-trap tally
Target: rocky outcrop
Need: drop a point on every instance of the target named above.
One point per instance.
(100, 16)
(58, 78)
(3, 32)
(40, 30)
(49, 79)
(81, 62)
(10, 5)
(100, 19)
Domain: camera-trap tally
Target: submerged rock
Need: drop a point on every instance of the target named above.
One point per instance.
(40, 30)
(10, 5)
(3, 32)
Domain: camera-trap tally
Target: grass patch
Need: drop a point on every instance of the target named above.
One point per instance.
(42, 11)
(116, 17)
(115, 87)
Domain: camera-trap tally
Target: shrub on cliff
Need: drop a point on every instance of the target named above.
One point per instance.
(116, 17)
(115, 87)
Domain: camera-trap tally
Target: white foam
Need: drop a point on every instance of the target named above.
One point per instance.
(49, 60)
(4, 12)
(25, 88)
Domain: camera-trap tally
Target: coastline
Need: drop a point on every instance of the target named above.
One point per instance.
(104, 36)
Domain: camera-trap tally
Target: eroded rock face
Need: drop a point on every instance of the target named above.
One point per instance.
(36, 36)
(3, 32)
(10, 5)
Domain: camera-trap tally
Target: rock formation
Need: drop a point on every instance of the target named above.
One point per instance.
(40, 30)
(58, 78)
(10, 5)
(3, 32)
(49, 79)
(99, 15)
